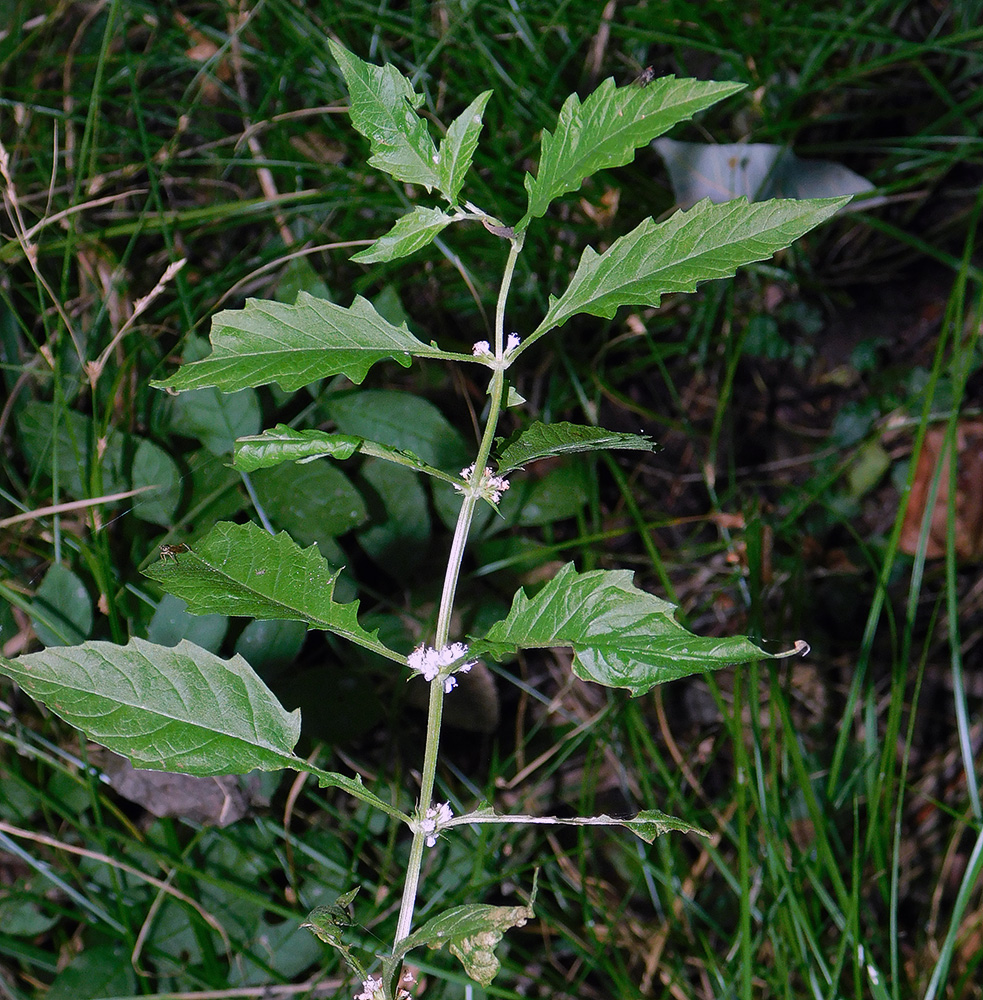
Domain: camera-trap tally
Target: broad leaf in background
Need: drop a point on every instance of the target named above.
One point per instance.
(295, 345)
(471, 932)
(544, 440)
(383, 109)
(708, 241)
(606, 130)
(167, 709)
(315, 502)
(61, 612)
(620, 636)
(67, 442)
(240, 569)
(409, 234)
(403, 422)
(284, 444)
(458, 146)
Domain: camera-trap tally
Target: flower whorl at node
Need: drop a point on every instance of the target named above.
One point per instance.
(488, 486)
(435, 818)
(371, 989)
(482, 349)
(430, 662)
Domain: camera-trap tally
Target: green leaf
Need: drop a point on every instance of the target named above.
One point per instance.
(646, 825)
(61, 611)
(216, 418)
(169, 709)
(354, 787)
(315, 503)
(383, 109)
(70, 450)
(99, 971)
(458, 146)
(708, 241)
(152, 466)
(606, 130)
(172, 622)
(534, 500)
(270, 646)
(410, 233)
(545, 440)
(240, 569)
(398, 539)
(620, 636)
(325, 923)
(471, 932)
(284, 444)
(401, 421)
(295, 345)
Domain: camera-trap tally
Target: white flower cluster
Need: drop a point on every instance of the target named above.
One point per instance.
(430, 662)
(372, 989)
(436, 818)
(482, 349)
(489, 486)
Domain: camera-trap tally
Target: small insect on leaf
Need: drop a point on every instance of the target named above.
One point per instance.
(645, 77)
(173, 551)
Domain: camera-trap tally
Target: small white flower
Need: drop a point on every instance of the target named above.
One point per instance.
(430, 662)
(489, 486)
(371, 989)
(436, 817)
(482, 349)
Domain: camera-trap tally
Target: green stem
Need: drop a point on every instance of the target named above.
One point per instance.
(455, 559)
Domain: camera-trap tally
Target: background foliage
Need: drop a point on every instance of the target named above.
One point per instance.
(800, 408)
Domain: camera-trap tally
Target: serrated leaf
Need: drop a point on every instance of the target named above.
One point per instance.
(655, 258)
(606, 130)
(170, 709)
(354, 787)
(410, 233)
(297, 344)
(383, 109)
(285, 444)
(458, 146)
(240, 569)
(544, 440)
(651, 823)
(471, 932)
(620, 636)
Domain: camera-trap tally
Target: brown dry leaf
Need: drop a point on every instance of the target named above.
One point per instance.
(202, 50)
(969, 495)
(216, 801)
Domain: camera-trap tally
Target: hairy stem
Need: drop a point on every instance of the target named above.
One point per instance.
(496, 392)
